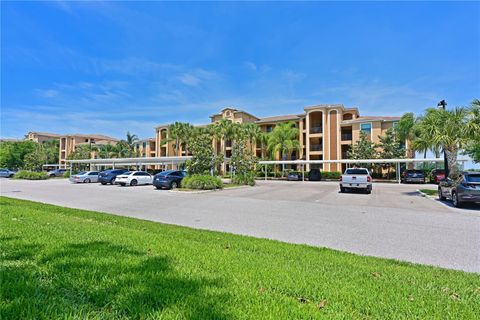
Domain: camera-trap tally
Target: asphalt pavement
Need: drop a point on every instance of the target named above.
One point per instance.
(393, 222)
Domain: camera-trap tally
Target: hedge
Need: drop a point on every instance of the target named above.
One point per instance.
(202, 182)
(246, 179)
(31, 175)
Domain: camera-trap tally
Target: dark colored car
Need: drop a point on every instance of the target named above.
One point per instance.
(57, 173)
(294, 176)
(437, 175)
(108, 176)
(462, 190)
(314, 175)
(169, 179)
(411, 176)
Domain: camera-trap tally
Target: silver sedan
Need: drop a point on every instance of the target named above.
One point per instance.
(85, 177)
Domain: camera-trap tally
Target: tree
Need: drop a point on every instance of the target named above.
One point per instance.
(243, 161)
(390, 148)
(450, 129)
(472, 147)
(108, 151)
(204, 160)
(36, 159)
(263, 139)
(12, 154)
(81, 152)
(362, 149)
(284, 140)
(223, 129)
(406, 130)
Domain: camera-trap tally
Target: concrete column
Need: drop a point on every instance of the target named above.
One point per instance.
(307, 137)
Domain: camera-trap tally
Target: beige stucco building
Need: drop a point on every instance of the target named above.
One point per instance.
(41, 136)
(70, 141)
(326, 132)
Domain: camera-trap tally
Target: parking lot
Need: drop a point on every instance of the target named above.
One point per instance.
(393, 222)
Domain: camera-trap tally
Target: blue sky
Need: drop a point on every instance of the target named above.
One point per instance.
(109, 67)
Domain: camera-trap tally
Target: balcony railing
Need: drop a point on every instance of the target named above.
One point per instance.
(316, 147)
(315, 129)
(346, 136)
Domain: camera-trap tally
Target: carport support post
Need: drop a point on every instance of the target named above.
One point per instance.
(265, 172)
(398, 172)
(70, 169)
(303, 172)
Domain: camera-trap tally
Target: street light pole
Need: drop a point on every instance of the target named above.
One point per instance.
(442, 104)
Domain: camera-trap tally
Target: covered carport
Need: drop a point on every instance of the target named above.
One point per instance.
(140, 163)
(349, 163)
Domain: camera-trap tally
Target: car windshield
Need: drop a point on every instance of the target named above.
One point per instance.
(356, 171)
(165, 173)
(294, 172)
(472, 178)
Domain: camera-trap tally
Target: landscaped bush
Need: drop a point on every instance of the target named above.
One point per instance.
(246, 179)
(31, 175)
(66, 174)
(202, 182)
(331, 175)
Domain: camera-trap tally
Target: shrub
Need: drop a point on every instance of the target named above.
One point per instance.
(66, 174)
(331, 175)
(202, 182)
(245, 178)
(31, 175)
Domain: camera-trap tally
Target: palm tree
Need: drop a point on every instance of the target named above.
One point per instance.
(224, 130)
(284, 139)
(449, 129)
(107, 151)
(406, 130)
(262, 139)
(180, 132)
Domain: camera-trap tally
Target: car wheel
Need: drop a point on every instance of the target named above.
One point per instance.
(122, 184)
(440, 194)
(173, 185)
(103, 183)
(158, 188)
(456, 201)
(134, 182)
(112, 181)
(342, 190)
(86, 181)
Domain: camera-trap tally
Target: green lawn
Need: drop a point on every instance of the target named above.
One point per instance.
(66, 263)
(429, 192)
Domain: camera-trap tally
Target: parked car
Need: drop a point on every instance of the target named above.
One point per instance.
(56, 173)
(6, 173)
(109, 176)
(437, 175)
(85, 177)
(133, 178)
(169, 179)
(410, 176)
(356, 178)
(314, 175)
(462, 190)
(294, 176)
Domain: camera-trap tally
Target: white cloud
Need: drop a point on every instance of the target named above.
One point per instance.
(250, 66)
(49, 93)
(189, 79)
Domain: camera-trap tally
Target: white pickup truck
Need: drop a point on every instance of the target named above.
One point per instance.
(356, 178)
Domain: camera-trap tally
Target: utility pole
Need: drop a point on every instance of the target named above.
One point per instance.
(442, 104)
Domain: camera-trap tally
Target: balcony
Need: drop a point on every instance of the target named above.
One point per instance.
(315, 130)
(346, 136)
(316, 147)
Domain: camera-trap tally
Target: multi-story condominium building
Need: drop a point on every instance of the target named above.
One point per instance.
(41, 136)
(70, 141)
(146, 148)
(326, 132)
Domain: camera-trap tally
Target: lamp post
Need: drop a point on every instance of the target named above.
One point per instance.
(442, 104)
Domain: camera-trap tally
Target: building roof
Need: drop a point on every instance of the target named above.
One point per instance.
(47, 134)
(372, 118)
(334, 105)
(92, 136)
(234, 111)
(278, 118)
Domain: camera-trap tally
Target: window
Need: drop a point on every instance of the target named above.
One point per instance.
(93, 174)
(137, 174)
(269, 128)
(366, 127)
